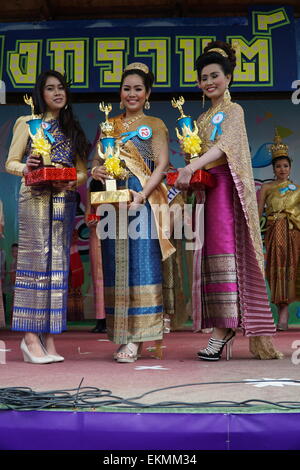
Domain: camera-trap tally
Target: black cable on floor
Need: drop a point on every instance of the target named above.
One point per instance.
(24, 398)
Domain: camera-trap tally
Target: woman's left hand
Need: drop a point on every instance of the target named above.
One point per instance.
(137, 201)
(184, 178)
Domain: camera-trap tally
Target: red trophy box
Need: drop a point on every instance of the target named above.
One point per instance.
(199, 179)
(49, 174)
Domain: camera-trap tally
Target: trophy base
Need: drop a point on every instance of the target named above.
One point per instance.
(111, 197)
(199, 179)
(49, 174)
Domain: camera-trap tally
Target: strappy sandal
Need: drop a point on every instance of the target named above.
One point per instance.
(128, 352)
(123, 346)
(214, 349)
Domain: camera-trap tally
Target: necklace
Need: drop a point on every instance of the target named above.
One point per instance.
(126, 124)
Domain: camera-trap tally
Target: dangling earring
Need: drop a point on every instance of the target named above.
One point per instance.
(147, 105)
(121, 105)
(203, 100)
(227, 96)
(66, 107)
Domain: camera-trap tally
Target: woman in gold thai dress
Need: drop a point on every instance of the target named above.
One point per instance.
(228, 289)
(132, 267)
(281, 201)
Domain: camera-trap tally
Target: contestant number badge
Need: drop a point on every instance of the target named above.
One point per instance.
(217, 118)
(144, 132)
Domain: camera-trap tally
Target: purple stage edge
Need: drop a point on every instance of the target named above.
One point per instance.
(60, 430)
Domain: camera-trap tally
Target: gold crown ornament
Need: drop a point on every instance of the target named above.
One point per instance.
(137, 66)
(218, 50)
(279, 149)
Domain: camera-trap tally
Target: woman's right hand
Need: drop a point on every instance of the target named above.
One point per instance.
(100, 173)
(32, 163)
(184, 178)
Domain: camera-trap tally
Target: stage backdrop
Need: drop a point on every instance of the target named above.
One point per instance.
(261, 119)
(94, 53)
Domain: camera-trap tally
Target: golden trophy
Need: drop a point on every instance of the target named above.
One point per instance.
(191, 144)
(109, 152)
(41, 147)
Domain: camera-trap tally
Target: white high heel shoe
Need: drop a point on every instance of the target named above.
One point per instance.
(28, 357)
(54, 357)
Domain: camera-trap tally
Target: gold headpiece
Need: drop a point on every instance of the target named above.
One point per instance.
(279, 149)
(219, 51)
(137, 66)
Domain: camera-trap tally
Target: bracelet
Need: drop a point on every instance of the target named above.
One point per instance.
(190, 168)
(93, 169)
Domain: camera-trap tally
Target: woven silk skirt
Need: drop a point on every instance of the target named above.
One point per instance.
(133, 279)
(220, 300)
(45, 228)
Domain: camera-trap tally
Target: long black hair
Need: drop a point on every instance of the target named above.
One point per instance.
(213, 57)
(67, 121)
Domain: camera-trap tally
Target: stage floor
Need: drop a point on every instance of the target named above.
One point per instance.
(88, 356)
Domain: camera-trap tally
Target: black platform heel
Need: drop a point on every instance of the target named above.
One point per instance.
(214, 349)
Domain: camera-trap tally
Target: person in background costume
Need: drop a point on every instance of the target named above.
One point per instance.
(281, 200)
(95, 259)
(75, 309)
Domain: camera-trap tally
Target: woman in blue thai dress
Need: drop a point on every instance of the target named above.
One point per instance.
(132, 265)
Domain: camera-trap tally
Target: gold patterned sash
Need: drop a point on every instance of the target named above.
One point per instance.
(158, 198)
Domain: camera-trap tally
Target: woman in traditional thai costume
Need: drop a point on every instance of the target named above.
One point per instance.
(95, 256)
(281, 201)
(229, 287)
(176, 271)
(46, 215)
(132, 265)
